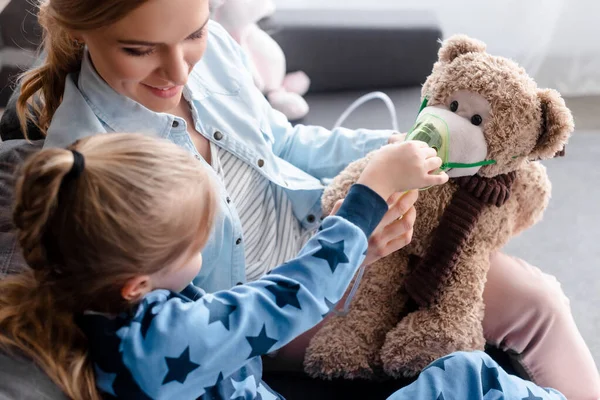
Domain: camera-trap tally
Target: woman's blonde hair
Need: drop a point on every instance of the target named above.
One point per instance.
(137, 206)
(42, 87)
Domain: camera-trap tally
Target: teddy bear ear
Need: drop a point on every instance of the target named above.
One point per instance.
(557, 125)
(458, 45)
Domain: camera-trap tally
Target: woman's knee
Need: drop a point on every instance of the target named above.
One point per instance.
(547, 298)
(527, 287)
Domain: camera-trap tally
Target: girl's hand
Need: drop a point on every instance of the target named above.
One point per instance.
(397, 137)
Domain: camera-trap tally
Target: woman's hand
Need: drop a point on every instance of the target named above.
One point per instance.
(395, 229)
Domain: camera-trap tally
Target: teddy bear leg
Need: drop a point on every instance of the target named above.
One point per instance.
(452, 324)
(296, 82)
(348, 346)
(292, 105)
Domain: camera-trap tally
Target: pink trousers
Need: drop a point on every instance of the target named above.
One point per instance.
(527, 315)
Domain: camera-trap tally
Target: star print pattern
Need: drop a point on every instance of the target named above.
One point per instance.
(333, 253)
(285, 294)
(145, 319)
(330, 306)
(439, 363)
(179, 367)
(531, 396)
(265, 394)
(177, 354)
(213, 391)
(244, 388)
(470, 375)
(252, 326)
(489, 379)
(260, 344)
(220, 312)
(108, 378)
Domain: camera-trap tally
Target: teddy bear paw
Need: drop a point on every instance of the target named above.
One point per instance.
(423, 337)
(330, 366)
(342, 356)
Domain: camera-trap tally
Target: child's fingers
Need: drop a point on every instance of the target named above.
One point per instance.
(336, 207)
(394, 198)
(433, 164)
(399, 242)
(437, 179)
(429, 152)
(397, 138)
(419, 143)
(399, 204)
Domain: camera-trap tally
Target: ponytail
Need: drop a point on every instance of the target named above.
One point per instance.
(32, 324)
(42, 87)
(88, 219)
(33, 321)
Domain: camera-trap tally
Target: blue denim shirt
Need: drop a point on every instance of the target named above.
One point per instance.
(230, 111)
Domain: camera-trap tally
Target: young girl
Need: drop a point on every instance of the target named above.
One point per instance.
(161, 67)
(112, 229)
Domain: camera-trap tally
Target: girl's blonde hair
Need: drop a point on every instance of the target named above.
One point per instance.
(138, 205)
(42, 87)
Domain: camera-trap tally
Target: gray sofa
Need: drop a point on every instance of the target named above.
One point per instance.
(346, 54)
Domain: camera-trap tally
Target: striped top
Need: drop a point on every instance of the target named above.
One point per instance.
(272, 234)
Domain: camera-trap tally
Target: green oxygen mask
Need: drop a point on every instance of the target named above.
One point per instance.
(433, 130)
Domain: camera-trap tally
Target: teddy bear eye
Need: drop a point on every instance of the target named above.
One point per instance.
(476, 119)
(454, 106)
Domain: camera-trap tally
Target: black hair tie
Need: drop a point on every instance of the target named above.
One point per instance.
(77, 168)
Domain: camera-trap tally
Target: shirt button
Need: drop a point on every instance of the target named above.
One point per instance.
(228, 200)
(218, 135)
(197, 157)
(261, 162)
(311, 218)
(175, 124)
(238, 241)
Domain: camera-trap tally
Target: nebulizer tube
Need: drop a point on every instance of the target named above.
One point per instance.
(394, 122)
(368, 97)
(428, 128)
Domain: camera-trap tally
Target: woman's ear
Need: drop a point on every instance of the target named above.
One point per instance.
(135, 288)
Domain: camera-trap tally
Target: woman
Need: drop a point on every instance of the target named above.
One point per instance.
(162, 68)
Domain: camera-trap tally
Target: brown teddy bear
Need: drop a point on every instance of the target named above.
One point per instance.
(489, 123)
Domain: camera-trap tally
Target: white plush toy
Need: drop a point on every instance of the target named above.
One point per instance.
(284, 91)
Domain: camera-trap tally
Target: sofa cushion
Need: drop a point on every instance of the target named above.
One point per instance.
(350, 49)
(21, 379)
(12, 154)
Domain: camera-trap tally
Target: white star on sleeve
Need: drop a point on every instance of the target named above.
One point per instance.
(265, 394)
(248, 385)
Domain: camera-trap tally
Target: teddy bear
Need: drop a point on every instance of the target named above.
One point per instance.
(268, 65)
(490, 124)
